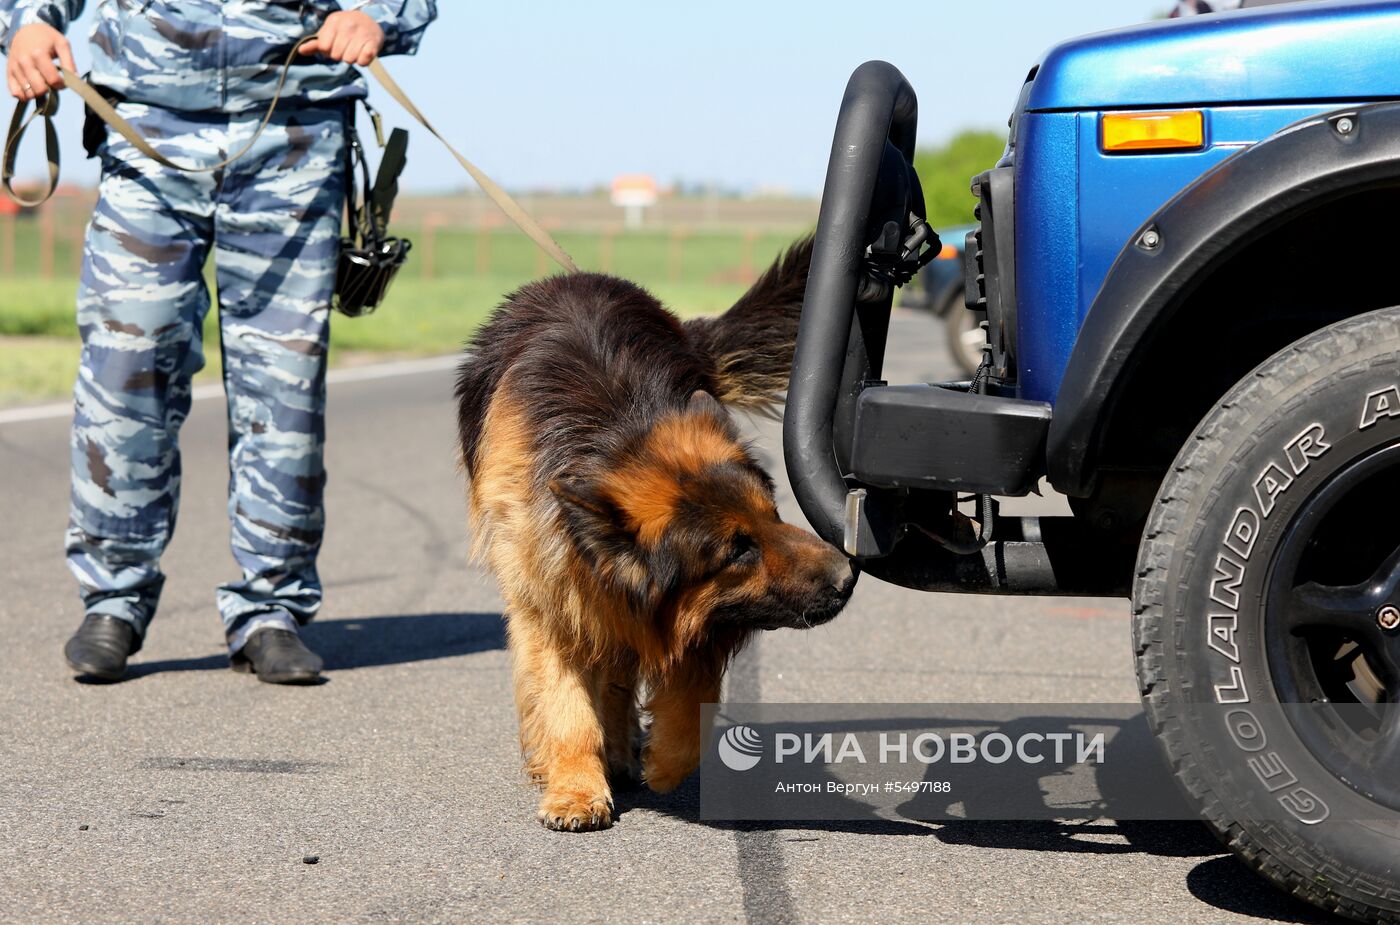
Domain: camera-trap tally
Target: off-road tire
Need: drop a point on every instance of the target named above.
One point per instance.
(1326, 380)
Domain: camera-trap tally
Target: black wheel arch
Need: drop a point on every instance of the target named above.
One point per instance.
(1259, 198)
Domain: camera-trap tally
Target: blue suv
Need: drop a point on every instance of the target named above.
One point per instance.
(1188, 259)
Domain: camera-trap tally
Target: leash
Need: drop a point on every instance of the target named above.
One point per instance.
(46, 106)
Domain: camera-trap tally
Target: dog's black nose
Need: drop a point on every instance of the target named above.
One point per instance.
(827, 603)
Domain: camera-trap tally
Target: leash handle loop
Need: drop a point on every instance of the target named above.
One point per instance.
(45, 107)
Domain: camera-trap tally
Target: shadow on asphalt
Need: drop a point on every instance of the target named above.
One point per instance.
(371, 642)
(368, 642)
(143, 669)
(1219, 881)
(1158, 838)
(683, 803)
(1227, 884)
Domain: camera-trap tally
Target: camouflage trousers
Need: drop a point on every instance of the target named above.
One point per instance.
(272, 222)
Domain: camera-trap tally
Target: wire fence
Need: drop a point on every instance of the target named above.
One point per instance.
(675, 255)
(40, 243)
(47, 243)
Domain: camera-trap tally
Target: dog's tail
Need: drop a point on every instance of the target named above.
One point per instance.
(751, 344)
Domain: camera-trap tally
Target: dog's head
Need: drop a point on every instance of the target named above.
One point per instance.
(684, 524)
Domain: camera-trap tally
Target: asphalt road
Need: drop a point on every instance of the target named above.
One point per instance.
(190, 793)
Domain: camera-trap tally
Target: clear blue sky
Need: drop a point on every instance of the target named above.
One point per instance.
(570, 93)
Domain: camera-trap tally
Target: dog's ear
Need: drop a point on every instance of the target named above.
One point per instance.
(592, 518)
(582, 495)
(702, 402)
(601, 534)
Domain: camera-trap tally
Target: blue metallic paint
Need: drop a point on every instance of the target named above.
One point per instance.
(1047, 250)
(1077, 208)
(1118, 194)
(1287, 53)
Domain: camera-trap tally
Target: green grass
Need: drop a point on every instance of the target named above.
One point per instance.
(945, 172)
(422, 315)
(36, 368)
(437, 315)
(37, 307)
(43, 368)
(701, 258)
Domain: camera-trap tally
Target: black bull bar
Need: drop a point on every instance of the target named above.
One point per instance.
(872, 191)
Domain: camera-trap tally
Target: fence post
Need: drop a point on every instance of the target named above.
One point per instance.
(426, 267)
(746, 263)
(7, 244)
(605, 250)
(675, 256)
(431, 223)
(483, 245)
(550, 224)
(46, 241)
(79, 240)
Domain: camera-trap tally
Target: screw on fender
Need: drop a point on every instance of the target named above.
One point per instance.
(1388, 617)
(1345, 125)
(1151, 239)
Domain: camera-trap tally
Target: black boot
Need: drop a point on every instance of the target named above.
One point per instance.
(278, 657)
(100, 647)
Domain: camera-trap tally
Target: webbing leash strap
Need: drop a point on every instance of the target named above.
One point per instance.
(488, 186)
(47, 105)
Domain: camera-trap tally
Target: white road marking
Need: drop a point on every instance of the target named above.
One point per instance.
(216, 389)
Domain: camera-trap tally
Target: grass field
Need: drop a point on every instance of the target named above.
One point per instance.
(452, 281)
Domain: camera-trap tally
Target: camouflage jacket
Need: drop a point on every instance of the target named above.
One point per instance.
(218, 55)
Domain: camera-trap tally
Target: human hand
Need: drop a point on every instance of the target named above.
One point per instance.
(30, 69)
(349, 36)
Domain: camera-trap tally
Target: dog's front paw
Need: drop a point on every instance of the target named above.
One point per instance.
(576, 811)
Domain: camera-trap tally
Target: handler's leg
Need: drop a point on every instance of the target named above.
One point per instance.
(277, 228)
(141, 304)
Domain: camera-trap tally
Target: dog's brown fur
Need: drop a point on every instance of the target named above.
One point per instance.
(635, 538)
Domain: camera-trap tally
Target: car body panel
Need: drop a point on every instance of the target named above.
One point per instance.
(1077, 208)
(1351, 150)
(1252, 72)
(1292, 52)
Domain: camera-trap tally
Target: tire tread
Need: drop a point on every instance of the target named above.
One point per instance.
(1283, 862)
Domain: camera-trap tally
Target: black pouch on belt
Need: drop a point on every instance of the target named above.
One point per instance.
(369, 257)
(94, 129)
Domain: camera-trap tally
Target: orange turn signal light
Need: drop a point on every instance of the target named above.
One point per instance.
(947, 252)
(1181, 130)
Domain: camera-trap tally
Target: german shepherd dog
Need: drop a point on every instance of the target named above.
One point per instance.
(635, 538)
